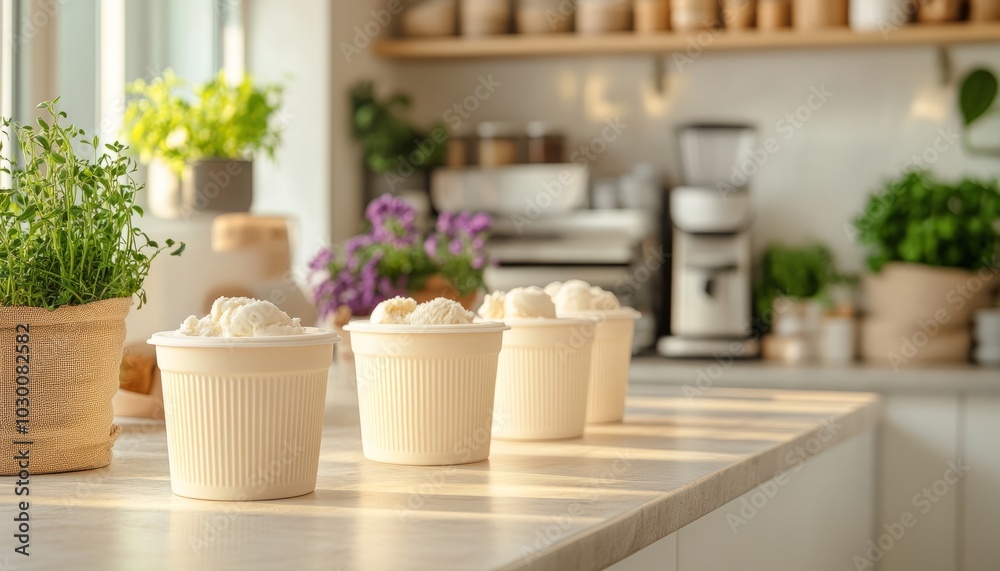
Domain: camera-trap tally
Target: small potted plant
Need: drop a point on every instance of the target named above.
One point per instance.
(391, 258)
(933, 249)
(72, 260)
(200, 144)
(790, 292)
(397, 153)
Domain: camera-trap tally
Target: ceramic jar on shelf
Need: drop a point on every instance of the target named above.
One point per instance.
(984, 10)
(816, 14)
(427, 18)
(485, 17)
(543, 16)
(939, 10)
(602, 16)
(693, 14)
(738, 14)
(773, 14)
(651, 16)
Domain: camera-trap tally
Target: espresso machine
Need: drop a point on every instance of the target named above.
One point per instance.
(710, 291)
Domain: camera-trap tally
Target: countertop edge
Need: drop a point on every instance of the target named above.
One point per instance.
(661, 517)
(858, 377)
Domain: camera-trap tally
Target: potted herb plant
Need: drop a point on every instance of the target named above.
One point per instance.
(794, 288)
(391, 258)
(200, 143)
(933, 249)
(397, 154)
(71, 261)
(790, 278)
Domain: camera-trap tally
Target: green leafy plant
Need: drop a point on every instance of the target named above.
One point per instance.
(67, 219)
(218, 119)
(391, 142)
(796, 273)
(919, 220)
(976, 98)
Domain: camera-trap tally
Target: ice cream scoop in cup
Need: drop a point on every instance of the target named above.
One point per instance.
(544, 369)
(426, 378)
(614, 328)
(244, 390)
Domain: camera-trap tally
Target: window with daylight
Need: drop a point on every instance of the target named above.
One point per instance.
(87, 51)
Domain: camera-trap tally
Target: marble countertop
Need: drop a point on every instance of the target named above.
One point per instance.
(575, 504)
(724, 372)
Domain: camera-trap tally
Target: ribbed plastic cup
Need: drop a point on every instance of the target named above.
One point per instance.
(244, 416)
(610, 361)
(425, 392)
(543, 378)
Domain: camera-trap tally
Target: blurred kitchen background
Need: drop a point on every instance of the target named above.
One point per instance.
(712, 163)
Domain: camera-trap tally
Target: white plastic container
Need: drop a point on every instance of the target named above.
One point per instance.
(425, 393)
(610, 361)
(244, 416)
(543, 379)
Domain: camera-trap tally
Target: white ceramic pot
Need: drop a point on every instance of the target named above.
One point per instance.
(610, 361)
(542, 379)
(988, 327)
(877, 14)
(425, 393)
(244, 416)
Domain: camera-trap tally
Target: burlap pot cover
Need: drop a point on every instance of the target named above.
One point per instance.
(72, 357)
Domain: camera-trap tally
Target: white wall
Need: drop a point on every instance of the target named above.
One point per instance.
(887, 105)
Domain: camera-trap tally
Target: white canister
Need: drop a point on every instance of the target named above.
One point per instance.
(988, 327)
(877, 14)
(838, 340)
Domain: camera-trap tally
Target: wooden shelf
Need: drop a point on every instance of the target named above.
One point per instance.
(514, 46)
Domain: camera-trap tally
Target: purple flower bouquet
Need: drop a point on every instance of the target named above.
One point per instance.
(392, 258)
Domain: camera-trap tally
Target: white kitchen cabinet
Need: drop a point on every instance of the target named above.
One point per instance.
(660, 556)
(980, 548)
(811, 517)
(917, 440)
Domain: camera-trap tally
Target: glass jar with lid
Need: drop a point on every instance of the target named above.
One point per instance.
(498, 144)
(545, 146)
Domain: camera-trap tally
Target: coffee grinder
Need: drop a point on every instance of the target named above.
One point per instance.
(710, 293)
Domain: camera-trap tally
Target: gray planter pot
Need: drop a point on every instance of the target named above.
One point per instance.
(210, 185)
